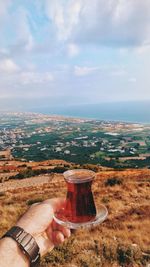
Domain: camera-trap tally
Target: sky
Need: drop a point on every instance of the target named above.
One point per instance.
(74, 51)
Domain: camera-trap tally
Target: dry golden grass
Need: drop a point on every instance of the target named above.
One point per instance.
(122, 240)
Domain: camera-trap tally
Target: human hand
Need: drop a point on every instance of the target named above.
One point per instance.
(38, 221)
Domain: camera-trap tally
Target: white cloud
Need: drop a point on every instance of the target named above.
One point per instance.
(35, 77)
(132, 80)
(108, 70)
(4, 52)
(73, 50)
(15, 29)
(83, 71)
(64, 15)
(26, 83)
(30, 66)
(112, 22)
(118, 72)
(8, 66)
(21, 29)
(144, 48)
(4, 8)
(65, 48)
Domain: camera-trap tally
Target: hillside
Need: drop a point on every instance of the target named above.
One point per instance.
(122, 240)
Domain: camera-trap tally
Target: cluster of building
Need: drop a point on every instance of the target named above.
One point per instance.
(115, 138)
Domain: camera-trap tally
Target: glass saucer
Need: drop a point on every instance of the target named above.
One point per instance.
(61, 219)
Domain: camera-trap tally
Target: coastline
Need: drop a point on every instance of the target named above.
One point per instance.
(83, 117)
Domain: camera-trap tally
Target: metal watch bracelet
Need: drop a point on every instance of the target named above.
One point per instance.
(26, 243)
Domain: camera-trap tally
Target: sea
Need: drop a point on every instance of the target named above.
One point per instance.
(131, 111)
(134, 112)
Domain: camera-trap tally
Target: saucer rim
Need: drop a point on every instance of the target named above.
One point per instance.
(99, 218)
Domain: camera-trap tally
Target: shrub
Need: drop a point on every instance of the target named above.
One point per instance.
(145, 259)
(91, 167)
(89, 260)
(113, 181)
(109, 251)
(3, 179)
(2, 194)
(32, 201)
(105, 200)
(124, 254)
(60, 255)
(29, 172)
(9, 201)
(60, 169)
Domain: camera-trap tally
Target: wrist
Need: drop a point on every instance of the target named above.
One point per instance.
(27, 229)
(43, 241)
(26, 243)
(11, 254)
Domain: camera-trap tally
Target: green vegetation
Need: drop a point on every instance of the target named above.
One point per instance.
(31, 173)
(115, 145)
(33, 201)
(113, 181)
(59, 255)
(95, 256)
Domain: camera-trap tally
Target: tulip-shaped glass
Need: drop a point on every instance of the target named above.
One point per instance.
(79, 209)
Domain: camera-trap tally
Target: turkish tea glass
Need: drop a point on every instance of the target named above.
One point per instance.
(79, 209)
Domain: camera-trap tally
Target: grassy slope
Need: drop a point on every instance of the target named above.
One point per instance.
(122, 240)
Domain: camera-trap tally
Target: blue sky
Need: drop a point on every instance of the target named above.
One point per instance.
(75, 51)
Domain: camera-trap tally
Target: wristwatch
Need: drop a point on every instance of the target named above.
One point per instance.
(26, 243)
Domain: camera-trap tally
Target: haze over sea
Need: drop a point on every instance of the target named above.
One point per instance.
(120, 111)
(131, 111)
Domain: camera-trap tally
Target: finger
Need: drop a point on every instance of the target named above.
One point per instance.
(66, 231)
(56, 236)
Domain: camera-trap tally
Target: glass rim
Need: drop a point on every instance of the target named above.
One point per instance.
(79, 175)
